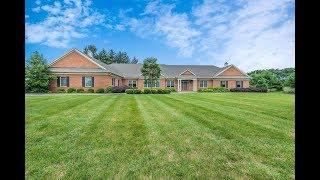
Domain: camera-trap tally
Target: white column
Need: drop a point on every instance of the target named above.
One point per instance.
(179, 85)
(195, 84)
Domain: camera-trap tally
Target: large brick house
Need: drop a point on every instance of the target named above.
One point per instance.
(78, 70)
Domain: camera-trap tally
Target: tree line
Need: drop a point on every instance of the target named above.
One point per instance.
(273, 78)
(110, 56)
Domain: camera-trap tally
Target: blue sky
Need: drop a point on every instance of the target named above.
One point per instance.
(252, 34)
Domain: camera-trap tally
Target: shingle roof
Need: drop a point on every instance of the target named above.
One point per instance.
(133, 70)
(198, 70)
(168, 71)
(77, 70)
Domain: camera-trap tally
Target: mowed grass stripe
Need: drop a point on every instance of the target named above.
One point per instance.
(53, 138)
(238, 131)
(46, 109)
(250, 114)
(161, 136)
(118, 143)
(186, 146)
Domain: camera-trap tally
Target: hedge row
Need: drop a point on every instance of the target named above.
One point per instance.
(215, 89)
(73, 90)
(250, 89)
(150, 91)
(109, 89)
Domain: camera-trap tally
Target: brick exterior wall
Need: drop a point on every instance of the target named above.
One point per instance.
(215, 83)
(231, 72)
(74, 59)
(75, 81)
(246, 83)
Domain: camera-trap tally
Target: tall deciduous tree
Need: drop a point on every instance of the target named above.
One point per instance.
(151, 70)
(290, 81)
(37, 74)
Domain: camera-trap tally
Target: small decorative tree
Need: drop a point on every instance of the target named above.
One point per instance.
(37, 74)
(151, 70)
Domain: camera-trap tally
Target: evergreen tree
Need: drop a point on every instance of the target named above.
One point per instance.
(37, 74)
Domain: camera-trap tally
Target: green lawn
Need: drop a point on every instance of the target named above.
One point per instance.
(220, 135)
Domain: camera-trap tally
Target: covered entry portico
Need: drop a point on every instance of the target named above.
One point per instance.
(187, 84)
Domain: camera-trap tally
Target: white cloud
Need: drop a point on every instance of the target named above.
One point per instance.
(120, 27)
(250, 34)
(63, 23)
(177, 32)
(26, 16)
(257, 35)
(159, 20)
(36, 9)
(38, 2)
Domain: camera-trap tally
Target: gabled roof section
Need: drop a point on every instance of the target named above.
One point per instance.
(187, 70)
(100, 64)
(228, 67)
(97, 62)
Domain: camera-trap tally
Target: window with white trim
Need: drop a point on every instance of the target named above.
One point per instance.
(203, 84)
(170, 83)
(113, 81)
(88, 81)
(157, 84)
(132, 83)
(239, 84)
(224, 84)
(63, 81)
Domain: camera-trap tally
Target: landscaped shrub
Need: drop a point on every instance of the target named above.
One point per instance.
(120, 89)
(167, 91)
(129, 91)
(250, 89)
(80, 91)
(71, 90)
(146, 91)
(272, 90)
(133, 91)
(289, 90)
(108, 89)
(171, 89)
(154, 91)
(90, 90)
(215, 89)
(101, 90)
(137, 91)
(61, 90)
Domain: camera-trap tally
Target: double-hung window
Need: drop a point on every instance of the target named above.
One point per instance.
(239, 84)
(170, 83)
(132, 83)
(63, 81)
(88, 81)
(203, 84)
(113, 81)
(224, 84)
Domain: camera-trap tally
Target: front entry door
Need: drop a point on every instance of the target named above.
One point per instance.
(184, 85)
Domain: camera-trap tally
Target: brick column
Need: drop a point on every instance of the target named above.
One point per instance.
(195, 85)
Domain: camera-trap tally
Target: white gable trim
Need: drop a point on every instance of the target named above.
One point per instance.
(229, 68)
(186, 71)
(75, 50)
